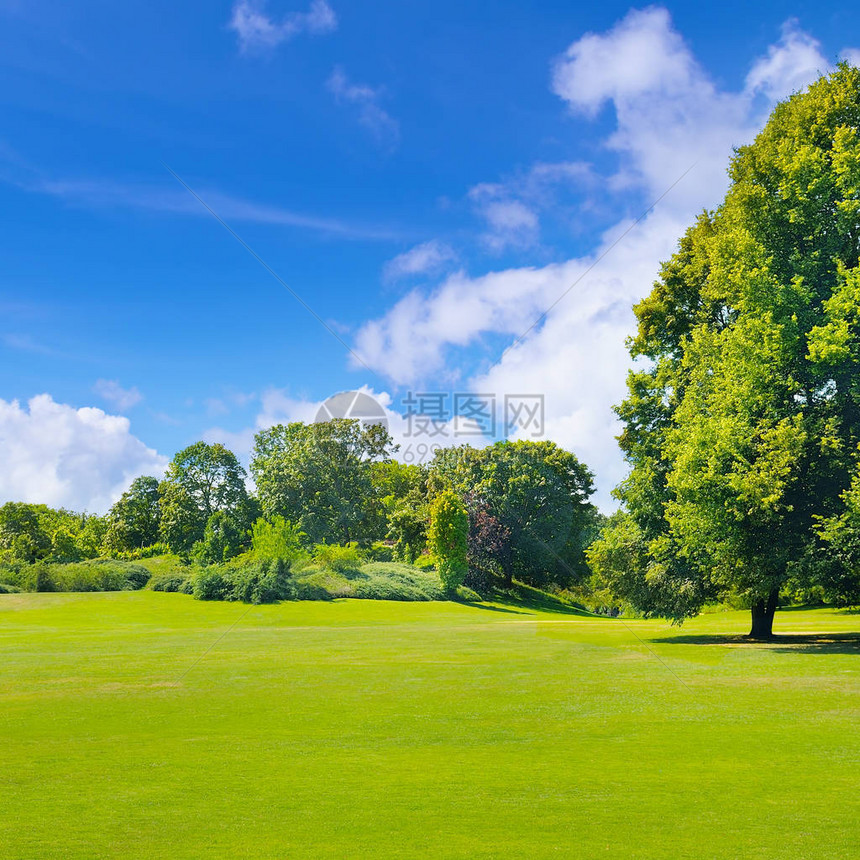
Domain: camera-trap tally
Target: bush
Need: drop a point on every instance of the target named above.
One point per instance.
(343, 559)
(5, 588)
(174, 582)
(37, 577)
(210, 583)
(99, 575)
(265, 582)
(96, 575)
(323, 585)
(380, 551)
(277, 538)
(152, 551)
(393, 581)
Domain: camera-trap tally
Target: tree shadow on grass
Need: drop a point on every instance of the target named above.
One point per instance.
(494, 608)
(809, 643)
(536, 601)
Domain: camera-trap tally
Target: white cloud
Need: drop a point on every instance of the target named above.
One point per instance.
(669, 115)
(365, 100)
(257, 31)
(511, 223)
(642, 54)
(789, 65)
(409, 343)
(25, 343)
(851, 56)
(111, 391)
(511, 208)
(423, 259)
(57, 455)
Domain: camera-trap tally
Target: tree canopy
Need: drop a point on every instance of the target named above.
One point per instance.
(538, 493)
(203, 480)
(742, 421)
(320, 476)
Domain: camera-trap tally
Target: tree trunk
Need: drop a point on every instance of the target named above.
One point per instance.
(762, 616)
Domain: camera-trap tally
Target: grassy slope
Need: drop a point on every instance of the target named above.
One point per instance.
(370, 729)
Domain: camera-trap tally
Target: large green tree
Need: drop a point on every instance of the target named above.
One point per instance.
(538, 492)
(742, 428)
(202, 480)
(320, 477)
(135, 518)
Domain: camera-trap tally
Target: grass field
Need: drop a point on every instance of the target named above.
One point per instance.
(149, 725)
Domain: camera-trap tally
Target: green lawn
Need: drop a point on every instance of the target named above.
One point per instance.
(129, 728)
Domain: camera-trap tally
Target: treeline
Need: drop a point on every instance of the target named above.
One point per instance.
(523, 509)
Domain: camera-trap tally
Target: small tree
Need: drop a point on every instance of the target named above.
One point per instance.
(448, 538)
(407, 527)
(489, 548)
(277, 538)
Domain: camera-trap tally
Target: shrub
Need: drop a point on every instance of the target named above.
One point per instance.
(323, 585)
(5, 588)
(99, 575)
(95, 575)
(343, 559)
(380, 551)
(210, 583)
(265, 582)
(222, 539)
(37, 577)
(393, 581)
(152, 551)
(174, 582)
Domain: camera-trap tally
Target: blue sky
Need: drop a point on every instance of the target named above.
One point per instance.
(429, 177)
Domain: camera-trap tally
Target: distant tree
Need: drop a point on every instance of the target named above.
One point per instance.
(320, 477)
(447, 538)
(134, 520)
(836, 568)
(22, 534)
(221, 539)
(201, 480)
(407, 527)
(397, 481)
(64, 547)
(539, 493)
(489, 546)
(91, 538)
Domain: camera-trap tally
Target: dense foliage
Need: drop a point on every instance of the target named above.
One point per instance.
(448, 537)
(320, 477)
(743, 428)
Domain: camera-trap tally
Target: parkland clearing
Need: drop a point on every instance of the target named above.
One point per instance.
(151, 725)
